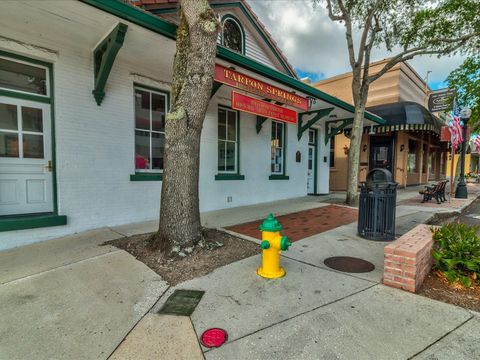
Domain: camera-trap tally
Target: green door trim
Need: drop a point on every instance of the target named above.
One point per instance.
(18, 222)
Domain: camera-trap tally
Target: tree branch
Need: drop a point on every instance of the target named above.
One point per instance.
(331, 15)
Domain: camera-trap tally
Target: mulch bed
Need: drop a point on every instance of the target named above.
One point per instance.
(305, 223)
(437, 287)
(200, 262)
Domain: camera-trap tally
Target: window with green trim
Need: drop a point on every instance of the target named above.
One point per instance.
(232, 35)
(22, 77)
(150, 111)
(227, 141)
(278, 148)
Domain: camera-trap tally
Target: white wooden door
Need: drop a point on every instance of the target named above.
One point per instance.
(25, 157)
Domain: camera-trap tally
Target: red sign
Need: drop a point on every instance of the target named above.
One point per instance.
(241, 81)
(263, 108)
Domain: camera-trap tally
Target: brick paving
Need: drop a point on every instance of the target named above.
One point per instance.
(453, 204)
(305, 223)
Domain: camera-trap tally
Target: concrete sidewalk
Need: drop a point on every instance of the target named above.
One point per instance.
(71, 299)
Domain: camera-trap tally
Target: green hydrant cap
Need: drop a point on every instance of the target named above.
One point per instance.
(285, 243)
(270, 224)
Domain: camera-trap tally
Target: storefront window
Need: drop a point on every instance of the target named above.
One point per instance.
(22, 77)
(150, 111)
(232, 36)
(278, 135)
(227, 140)
(412, 156)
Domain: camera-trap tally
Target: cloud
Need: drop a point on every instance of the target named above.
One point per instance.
(314, 44)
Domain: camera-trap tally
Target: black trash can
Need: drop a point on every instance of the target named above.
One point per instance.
(377, 205)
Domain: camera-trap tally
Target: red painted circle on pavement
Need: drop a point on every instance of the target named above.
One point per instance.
(214, 337)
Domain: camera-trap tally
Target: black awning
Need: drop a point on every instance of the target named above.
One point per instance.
(407, 115)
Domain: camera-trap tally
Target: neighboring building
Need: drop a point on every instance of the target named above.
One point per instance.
(408, 144)
(84, 89)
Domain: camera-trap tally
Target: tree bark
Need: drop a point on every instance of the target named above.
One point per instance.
(192, 82)
(359, 98)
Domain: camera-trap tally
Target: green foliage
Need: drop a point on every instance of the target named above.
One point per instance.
(457, 252)
(466, 81)
(439, 27)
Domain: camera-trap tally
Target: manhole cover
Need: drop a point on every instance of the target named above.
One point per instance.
(214, 337)
(349, 264)
(182, 302)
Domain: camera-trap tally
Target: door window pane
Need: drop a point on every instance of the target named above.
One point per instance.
(8, 144)
(32, 119)
(33, 146)
(23, 77)
(8, 117)
(158, 112)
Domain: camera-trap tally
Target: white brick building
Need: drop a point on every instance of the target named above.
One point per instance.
(68, 164)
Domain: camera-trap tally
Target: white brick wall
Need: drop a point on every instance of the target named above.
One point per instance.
(95, 148)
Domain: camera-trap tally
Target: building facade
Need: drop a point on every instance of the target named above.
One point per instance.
(84, 89)
(408, 144)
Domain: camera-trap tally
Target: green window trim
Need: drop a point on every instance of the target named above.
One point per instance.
(146, 176)
(229, 177)
(279, 177)
(23, 222)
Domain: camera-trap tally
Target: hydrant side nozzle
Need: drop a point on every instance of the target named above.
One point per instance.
(265, 244)
(285, 243)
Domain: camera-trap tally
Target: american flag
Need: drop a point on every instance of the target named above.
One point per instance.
(456, 127)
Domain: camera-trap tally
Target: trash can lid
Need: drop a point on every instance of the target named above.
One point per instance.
(379, 175)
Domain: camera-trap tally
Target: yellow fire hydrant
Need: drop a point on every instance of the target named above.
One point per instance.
(272, 243)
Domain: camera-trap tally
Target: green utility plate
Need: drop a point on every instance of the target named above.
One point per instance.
(182, 302)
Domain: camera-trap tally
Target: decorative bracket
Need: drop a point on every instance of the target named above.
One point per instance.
(216, 86)
(332, 131)
(301, 127)
(104, 56)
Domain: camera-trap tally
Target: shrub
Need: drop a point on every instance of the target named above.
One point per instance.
(457, 252)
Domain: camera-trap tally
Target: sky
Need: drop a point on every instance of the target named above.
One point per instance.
(316, 47)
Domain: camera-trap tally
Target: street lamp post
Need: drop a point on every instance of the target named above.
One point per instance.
(461, 191)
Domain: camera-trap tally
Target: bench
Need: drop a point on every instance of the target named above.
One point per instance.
(436, 191)
(408, 260)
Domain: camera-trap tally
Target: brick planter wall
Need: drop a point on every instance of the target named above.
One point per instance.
(408, 259)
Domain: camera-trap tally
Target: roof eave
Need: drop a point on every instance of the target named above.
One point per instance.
(142, 18)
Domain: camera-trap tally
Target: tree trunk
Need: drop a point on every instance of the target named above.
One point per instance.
(192, 82)
(360, 94)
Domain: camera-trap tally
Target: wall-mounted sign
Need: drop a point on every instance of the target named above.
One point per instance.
(241, 81)
(441, 100)
(263, 108)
